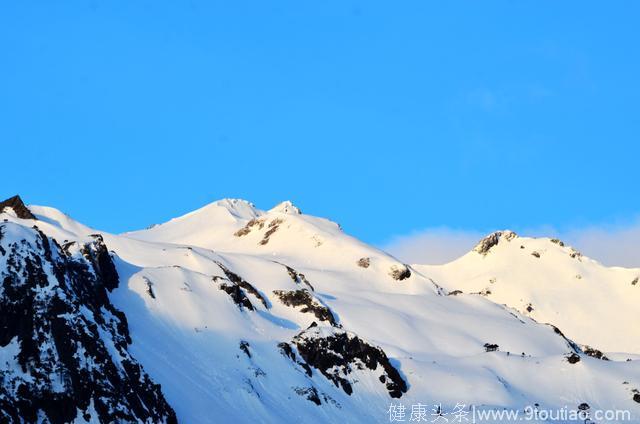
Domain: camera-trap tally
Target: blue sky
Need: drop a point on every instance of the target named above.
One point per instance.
(388, 117)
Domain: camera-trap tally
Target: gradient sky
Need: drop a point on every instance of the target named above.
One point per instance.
(387, 117)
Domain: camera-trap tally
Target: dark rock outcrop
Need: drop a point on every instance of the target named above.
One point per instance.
(72, 359)
(594, 353)
(336, 353)
(287, 350)
(490, 347)
(575, 254)
(573, 358)
(240, 282)
(312, 394)
(298, 277)
(272, 228)
(18, 207)
(303, 298)
(237, 294)
(570, 343)
(484, 246)
(364, 262)
(259, 223)
(244, 346)
(400, 273)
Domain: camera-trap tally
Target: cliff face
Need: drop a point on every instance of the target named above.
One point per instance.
(18, 207)
(68, 344)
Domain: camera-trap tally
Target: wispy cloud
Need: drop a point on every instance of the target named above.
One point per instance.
(618, 246)
(611, 245)
(433, 245)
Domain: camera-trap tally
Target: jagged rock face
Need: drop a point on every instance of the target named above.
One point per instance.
(493, 239)
(303, 298)
(65, 344)
(337, 353)
(241, 285)
(18, 207)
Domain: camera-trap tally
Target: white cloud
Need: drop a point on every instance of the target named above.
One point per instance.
(614, 245)
(433, 246)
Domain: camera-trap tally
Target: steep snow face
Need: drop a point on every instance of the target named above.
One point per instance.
(550, 282)
(272, 316)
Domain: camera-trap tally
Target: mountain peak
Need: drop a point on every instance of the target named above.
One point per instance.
(493, 239)
(286, 207)
(18, 206)
(237, 207)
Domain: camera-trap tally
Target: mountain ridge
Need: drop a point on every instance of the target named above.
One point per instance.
(316, 325)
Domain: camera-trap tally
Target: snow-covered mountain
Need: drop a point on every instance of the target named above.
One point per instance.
(234, 314)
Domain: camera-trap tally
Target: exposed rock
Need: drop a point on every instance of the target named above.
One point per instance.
(364, 262)
(149, 287)
(272, 228)
(18, 207)
(259, 223)
(575, 254)
(594, 353)
(529, 308)
(244, 346)
(298, 277)
(399, 273)
(574, 347)
(636, 397)
(490, 347)
(55, 311)
(583, 406)
(454, 293)
(573, 358)
(287, 350)
(485, 245)
(237, 294)
(536, 254)
(335, 353)
(240, 282)
(303, 298)
(310, 393)
(635, 281)
(558, 242)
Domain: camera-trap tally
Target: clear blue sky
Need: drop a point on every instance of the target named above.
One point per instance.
(385, 116)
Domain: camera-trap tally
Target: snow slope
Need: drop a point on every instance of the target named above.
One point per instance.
(550, 282)
(244, 315)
